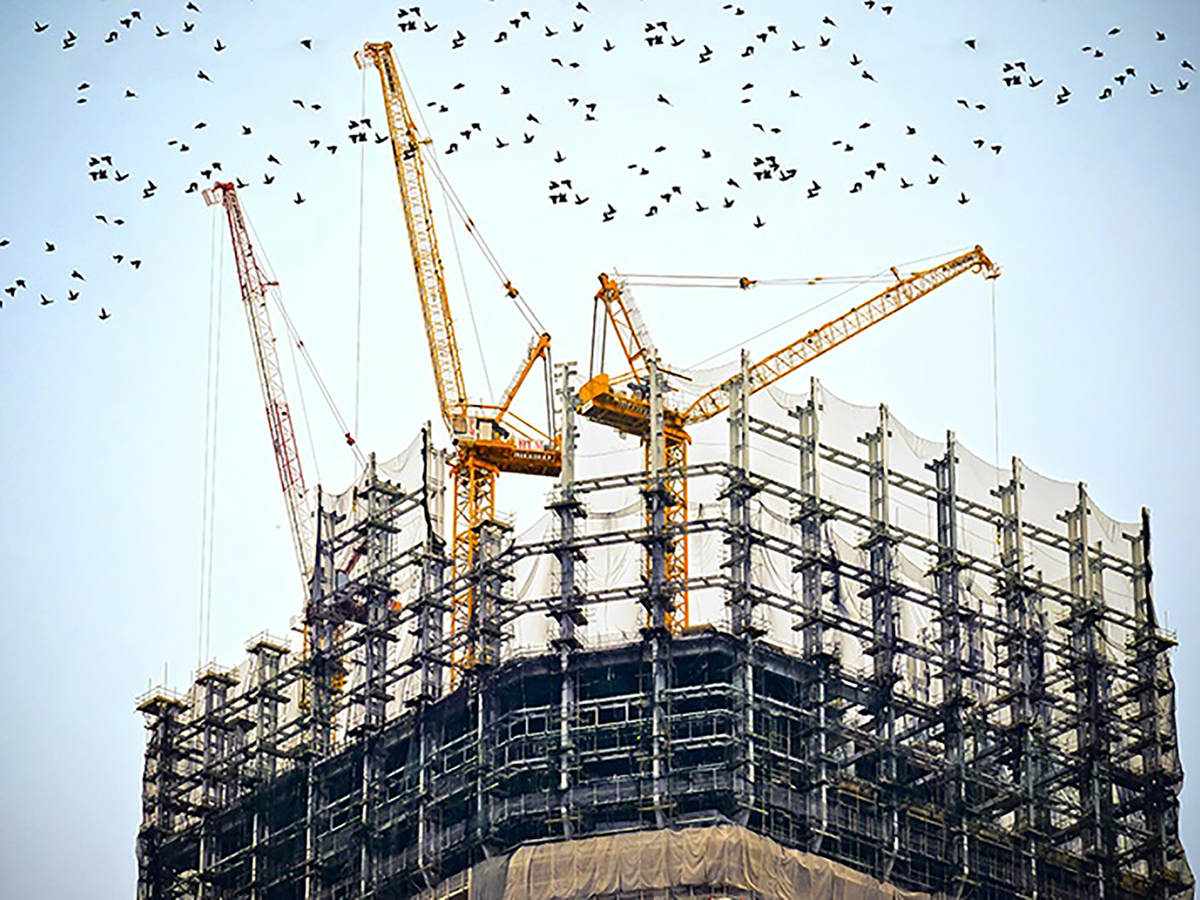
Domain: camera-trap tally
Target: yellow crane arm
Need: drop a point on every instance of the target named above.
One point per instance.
(539, 348)
(427, 262)
(857, 320)
(627, 325)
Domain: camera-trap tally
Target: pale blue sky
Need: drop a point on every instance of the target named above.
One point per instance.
(1090, 208)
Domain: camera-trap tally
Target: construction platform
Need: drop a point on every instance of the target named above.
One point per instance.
(905, 669)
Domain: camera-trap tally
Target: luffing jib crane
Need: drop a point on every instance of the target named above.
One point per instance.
(488, 438)
(255, 283)
(628, 411)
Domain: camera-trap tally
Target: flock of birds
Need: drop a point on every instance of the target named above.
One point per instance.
(723, 189)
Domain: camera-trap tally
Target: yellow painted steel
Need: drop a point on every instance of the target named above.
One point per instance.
(630, 414)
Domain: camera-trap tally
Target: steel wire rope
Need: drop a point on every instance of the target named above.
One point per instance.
(995, 385)
(294, 334)
(216, 420)
(735, 281)
(312, 444)
(362, 164)
(212, 270)
(462, 274)
(864, 280)
(460, 208)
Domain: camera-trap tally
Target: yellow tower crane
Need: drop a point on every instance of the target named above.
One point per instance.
(628, 410)
(488, 438)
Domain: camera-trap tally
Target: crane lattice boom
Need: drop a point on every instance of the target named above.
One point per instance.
(855, 321)
(427, 261)
(254, 286)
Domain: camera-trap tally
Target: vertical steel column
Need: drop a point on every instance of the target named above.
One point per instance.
(812, 625)
(883, 644)
(950, 619)
(430, 611)
(569, 614)
(484, 634)
(321, 669)
(1155, 695)
(268, 655)
(741, 603)
(658, 601)
(433, 572)
(1023, 640)
(159, 775)
(375, 599)
(1091, 673)
(214, 790)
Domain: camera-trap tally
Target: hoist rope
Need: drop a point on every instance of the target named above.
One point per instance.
(294, 336)
(212, 272)
(312, 444)
(212, 420)
(362, 163)
(769, 329)
(429, 153)
(995, 383)
(883, 274)
(462, 272)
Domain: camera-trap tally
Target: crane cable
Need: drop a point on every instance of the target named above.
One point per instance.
(362, 162)
(460, 209)
(995, 384)
(727, 282)
(211, 419)
(883, 274)
(470, 307)
(294, 335)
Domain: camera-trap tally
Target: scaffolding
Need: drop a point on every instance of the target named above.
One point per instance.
(950, 678)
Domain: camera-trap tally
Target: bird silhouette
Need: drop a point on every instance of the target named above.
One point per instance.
(963, 198)
(104, 314)
(203, 76)
(306, 43)
(49, 247)
(298, 199)
(970, 42)
(38, 27)
(218, 46)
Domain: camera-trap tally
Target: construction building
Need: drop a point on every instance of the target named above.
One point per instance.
(778, 648)
(905, 671)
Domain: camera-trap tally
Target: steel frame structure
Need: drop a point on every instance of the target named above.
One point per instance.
(1053, 773)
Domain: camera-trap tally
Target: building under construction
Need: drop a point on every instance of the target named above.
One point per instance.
(779, 648)
(904, 671)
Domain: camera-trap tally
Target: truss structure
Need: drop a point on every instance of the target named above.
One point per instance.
(940, 686)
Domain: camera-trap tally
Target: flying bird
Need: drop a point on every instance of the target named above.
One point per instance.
(218, 46)
(298, 199)
(104, 314)
(963, 198)
(306, 43)
(200, 73)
